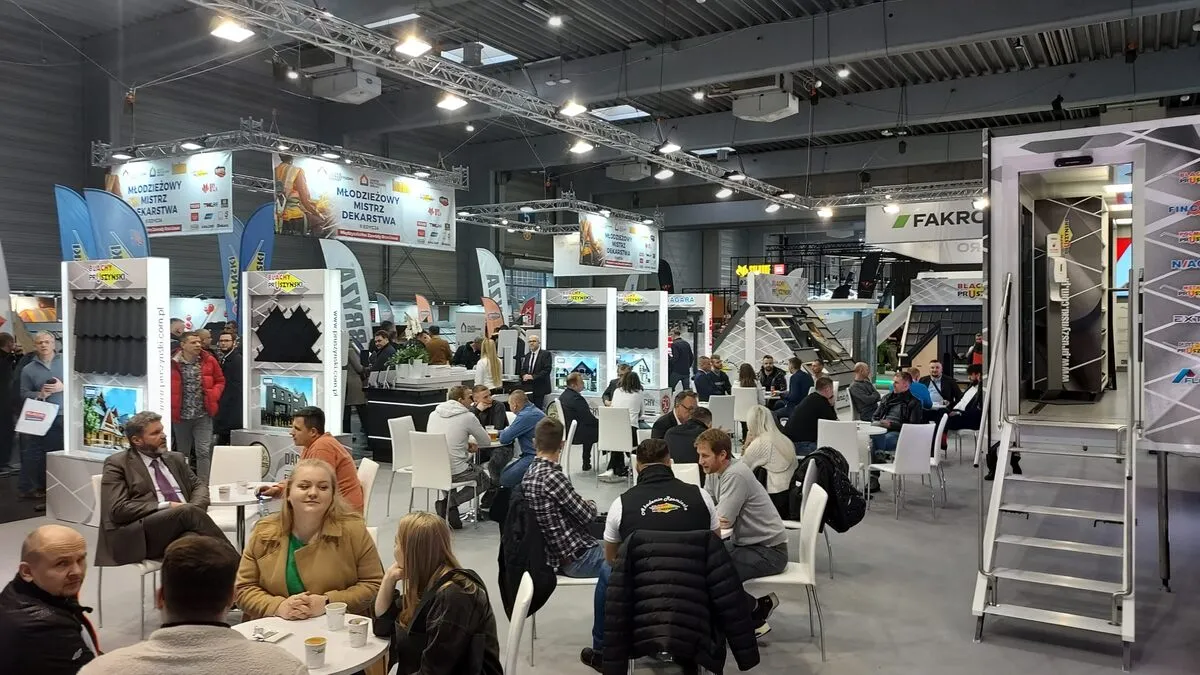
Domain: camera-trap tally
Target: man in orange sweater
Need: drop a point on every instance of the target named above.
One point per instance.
(308, 432)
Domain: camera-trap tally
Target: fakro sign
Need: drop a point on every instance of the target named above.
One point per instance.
(927, 221)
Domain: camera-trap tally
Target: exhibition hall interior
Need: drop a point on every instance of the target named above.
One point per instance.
(784, 336)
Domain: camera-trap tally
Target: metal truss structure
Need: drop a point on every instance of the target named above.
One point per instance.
(900, 194)
(251, 135)
(498, 215)
(308, 23)
(249, 183)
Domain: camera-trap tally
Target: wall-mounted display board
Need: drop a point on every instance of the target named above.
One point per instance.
(178, 195)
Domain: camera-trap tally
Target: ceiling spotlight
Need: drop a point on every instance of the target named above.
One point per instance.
(555, 21)
(571, 109)
(647, 221)
(825, 212)
(413, 46)
(664, 173)
(788, 195)
(886, 132)
(190, 145)
(330, 155)
(903, 147)
(464, 214)
(347, 160)
(421, 173)
(470, 128)
(887, 196)
(551, 83)
(980, 203)
(526, 209)
(122, 155)
(736, 175)
(891, 208)
(451, 102)
(1196, 27)
(698, 94)
(233, 31)
(1185, 98)
(605, 212)
(724, 193)
(817, 84)
(581, 146)
(504, 221)
(669, 147)
(843, 72)
(292, 74)
(282, 147)
(772, 208)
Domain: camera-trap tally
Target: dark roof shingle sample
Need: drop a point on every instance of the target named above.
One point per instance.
(288, 339)
(110, 336)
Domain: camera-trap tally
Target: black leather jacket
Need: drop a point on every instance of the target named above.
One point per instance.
(900, 409)
(41, 634)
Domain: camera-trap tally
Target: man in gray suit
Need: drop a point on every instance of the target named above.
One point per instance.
(149, 497)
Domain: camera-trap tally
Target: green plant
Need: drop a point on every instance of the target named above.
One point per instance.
(406, 355)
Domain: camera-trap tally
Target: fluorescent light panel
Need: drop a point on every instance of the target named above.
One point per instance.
(572, 109)
(383, 23)
(581, 146)
(489, 56)
(190, 145)
(451, 102)
(664, 174)
(724, 193)
(232, 31)
(413, 46)
(617, 113)
(772, 208)
(712, 151)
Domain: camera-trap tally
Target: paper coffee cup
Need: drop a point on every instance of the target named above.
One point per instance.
(358, 631)
(223, 491)
(335, 615)
(314, 652)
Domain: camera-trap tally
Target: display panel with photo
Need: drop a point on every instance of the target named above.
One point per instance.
(281, 396)
(105, 412)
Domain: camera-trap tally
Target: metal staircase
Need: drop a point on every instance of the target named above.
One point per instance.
(1098, 595)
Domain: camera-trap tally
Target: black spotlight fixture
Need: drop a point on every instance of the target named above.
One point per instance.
(903, 146)
(864, 180)
(1131, 52)
(1056, 104)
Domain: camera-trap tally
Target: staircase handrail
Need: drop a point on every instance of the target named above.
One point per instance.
(996, 375)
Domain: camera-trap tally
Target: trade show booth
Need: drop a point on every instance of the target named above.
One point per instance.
(692, 314)
(944, 313)
(642, 343)
(579, 326)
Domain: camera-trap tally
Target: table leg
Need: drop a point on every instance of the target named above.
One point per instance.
(241, 527)
(1164, 526)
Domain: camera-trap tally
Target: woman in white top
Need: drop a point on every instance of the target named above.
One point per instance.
(628, 394)
(487, 370)
(767, 447)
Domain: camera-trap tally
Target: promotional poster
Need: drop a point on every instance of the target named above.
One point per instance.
(620, 244)
(179, 195)
(316, 198)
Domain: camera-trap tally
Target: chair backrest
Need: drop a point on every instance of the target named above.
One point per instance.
(368, 469)
(94, 519)
(517, 625)
(233, 463)
(554, 410)
(744, 398)
(510, 415)
(570, 436)
(431, 461)
(912, 449)
(937, 438)
(614, 430)
(688, 473)
(721, 408)
(811, 514)
(810, 479)
(841, 436)
(400, 428)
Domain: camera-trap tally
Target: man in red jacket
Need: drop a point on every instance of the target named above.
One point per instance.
(196, 386)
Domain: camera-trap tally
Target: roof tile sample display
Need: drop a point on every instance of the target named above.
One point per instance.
(288, 338)
(637, 329)
(110, 336)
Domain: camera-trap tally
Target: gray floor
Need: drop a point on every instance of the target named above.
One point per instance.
(900, 602)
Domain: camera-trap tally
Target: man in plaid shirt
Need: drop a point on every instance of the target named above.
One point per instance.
(562, 515)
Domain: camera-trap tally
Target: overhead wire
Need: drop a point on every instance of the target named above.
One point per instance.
(67, 42)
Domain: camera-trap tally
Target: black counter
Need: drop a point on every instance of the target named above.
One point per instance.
(385, 404)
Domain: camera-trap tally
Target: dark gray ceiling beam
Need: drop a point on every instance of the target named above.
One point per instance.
(871, 31)
(1155, 75)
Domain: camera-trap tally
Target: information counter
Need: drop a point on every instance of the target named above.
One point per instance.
(413, 396)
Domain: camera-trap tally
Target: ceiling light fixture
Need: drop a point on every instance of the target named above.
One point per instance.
(1122, 221)
(347, 160)
(664, 173)
(843, 72)
(886, 132)
(788, 195)
(980, 203)
(526, 209)
(772, 208)
(421, 173)
(330, 155)
(228, 29)
(292, 74)
(413, 46)
(283, 147)
(1121, 188)
(825, 212)
(122, 155)
(555, 21)
(470, 128)
(736, 175)
(817, 84)
(698, 94)
(451, 102)
(190, 145)
(891, 208)
(669, 147)
(464, 214)
(724, 193)
(571, 109)
(605, 212)
(504, 221)
(1185, 98)
(581, 146)
(647, 221)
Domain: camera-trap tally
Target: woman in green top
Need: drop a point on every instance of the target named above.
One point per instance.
(316, 551)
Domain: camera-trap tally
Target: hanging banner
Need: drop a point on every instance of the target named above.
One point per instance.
(119, 230)
(529, 312)
(197, 312)
(75, 232)
(492, 277)
(492, 316)
(354, 291)
(424, 311)
(229, 251)
(619, 244)
(258, 240)
(385, 309)
(5, 306)
(471, 325)
(315, 198)
(179, 195)
(926, 221)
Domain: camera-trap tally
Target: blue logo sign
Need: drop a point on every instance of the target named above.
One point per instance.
(1186, 264)
(1186, 376)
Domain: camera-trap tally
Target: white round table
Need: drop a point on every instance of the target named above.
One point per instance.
(239, 498)
(340, 657)
(869, 429)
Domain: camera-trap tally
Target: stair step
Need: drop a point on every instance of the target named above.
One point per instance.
(1062, 480)
(1059, 580)
(1068, 453)
(1054, 618)
(1059, 545)
(1064, 512)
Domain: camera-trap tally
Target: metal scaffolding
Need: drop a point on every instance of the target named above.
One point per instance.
(251, 135)
(497, 215)
(900, 194)
(309, 23)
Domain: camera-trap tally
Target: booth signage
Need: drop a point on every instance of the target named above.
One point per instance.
(948, 291)
(180, 195)
(621, 244)
(929, 221)
(761, 268)
(316, 198)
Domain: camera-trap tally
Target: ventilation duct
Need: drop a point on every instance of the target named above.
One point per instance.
(765, 99)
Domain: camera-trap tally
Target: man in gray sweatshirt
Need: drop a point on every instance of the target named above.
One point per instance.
(757, 541)
(464, 433)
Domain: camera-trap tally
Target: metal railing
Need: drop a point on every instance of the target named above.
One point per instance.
(997, 366)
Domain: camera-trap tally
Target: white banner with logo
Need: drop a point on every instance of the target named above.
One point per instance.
(926, 221)
(178, 196)
(334, 201)
(491, 275)
(471, 325)
(339, 257)
(617, 244)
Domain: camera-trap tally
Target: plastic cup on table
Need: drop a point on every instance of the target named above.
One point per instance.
(358, 631)
(223, 491)
(335, 615)
(314, 652)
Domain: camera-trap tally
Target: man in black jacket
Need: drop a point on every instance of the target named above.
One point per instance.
(488, 412)
(942, 387)
(659, 502)
(896, 409)
(467, 355)
(720, 378)
(705, 380)
(771, 378)
(681, 439)
(680, 361)
(229, 408)
(576, 409)
(534, 372)
(685, 403)
(802, 425)
(43, 630)
(384, 350)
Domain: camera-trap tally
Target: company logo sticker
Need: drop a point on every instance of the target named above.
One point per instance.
(1186, 318)
(108, 274)
(1186, 264)
(578, 296)
(1188, 347)
(220, 171)
(1188, 236)
(971, 290)
(663, 505)
(179, 169)
(901, 221)
(633, 298)
(1189, 291)
(34, 416)
(285, 282)
(1190, 177)
(781, 289)
(1186, 376)
(1192, 209)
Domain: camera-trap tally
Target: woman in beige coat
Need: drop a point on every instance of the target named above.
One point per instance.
(316, 551)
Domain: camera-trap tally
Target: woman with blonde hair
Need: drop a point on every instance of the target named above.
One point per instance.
(767, 448)
(442, 623)
(487, 370)
(316, 551)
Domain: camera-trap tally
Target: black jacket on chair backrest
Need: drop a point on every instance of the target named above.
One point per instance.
(522, 549)
(676, 592)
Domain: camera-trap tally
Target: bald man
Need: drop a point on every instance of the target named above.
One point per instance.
(43, 630)
(520, 433)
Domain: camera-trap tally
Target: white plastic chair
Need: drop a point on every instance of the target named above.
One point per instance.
(802, 572)
(368, 469)
(399, 428)
(516, 626)
(721, 408)
(843, 437)
(744, 400)
(568, 438)
(935, 460)
(810, 479)
(614, 434)
(912, 459)
(431, 470)
(688, 473)
(231, 464)
(561, 582)
(145, 568)
(554, 410)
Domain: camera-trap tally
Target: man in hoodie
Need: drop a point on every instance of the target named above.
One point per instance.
(520, 431)
(463, 432)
